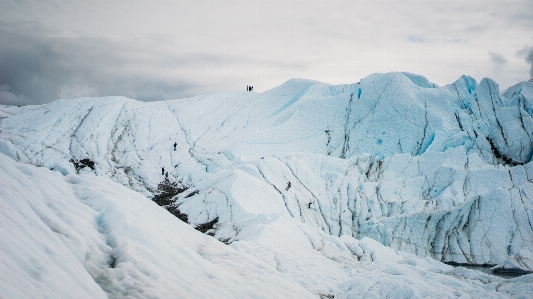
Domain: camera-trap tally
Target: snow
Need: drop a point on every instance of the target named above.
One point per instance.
(87, 237)
(435, 173)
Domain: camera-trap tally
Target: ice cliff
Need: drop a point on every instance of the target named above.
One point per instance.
(441, 172)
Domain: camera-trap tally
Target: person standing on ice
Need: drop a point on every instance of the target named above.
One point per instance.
(310, 202)
(288, 186)
(163, 171)
(175, 144)
(166, 176)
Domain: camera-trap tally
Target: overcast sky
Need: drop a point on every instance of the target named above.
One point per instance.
(160, 50)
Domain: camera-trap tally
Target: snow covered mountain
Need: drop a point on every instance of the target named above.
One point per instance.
(440, 172)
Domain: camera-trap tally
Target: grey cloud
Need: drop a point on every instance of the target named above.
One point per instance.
(527, 53)
(38, 65)
(36, 68)
(7, 97)
(497, 58)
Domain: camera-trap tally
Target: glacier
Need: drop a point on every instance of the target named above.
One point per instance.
(85, 236)
(88, 237)
(433, 173)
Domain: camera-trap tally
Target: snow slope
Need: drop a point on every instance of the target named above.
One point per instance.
(88, 237)
(442, 172)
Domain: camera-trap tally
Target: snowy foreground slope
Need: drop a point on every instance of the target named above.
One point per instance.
(82, 236)
(441, 172)
(88, 237)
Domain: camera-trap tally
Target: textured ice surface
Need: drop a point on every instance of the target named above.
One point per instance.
(441, 172)
(88, 237)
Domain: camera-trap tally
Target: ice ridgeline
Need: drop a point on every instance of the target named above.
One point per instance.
(443, 172)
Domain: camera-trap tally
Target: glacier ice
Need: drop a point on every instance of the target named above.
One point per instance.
(88, 237)
(441, 172)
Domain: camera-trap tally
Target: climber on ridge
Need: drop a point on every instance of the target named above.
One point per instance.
(175, 144)
(288, 186)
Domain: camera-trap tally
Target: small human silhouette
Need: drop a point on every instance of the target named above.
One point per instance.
(175, 144)
(288, 186)
(309, 206)
(166, 175)
(163, 171)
